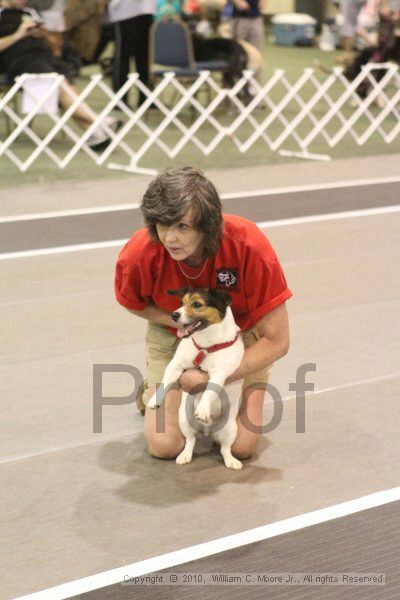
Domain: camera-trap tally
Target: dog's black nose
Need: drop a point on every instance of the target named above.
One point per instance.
(175, 316)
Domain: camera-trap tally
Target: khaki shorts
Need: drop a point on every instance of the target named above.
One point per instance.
(160, 348)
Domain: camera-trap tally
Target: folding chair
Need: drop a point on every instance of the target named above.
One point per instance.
(171, 49)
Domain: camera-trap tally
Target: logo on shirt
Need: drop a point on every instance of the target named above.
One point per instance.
(227, 279)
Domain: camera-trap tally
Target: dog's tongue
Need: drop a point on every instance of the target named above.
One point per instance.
(186, 331)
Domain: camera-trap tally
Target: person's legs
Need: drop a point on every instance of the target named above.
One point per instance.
(140, 35)
(107, 36)
(240, 29)
(256, 39)
(67, 95)
(250, 417)
(122, 53)
(254, 59)
(249, 420)
(85, 117)
(250, 32)
(161, 427)
(351, 10)
(256, 33)
(68, 92)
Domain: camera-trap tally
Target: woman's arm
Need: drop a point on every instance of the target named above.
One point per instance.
(23, 31)
(274, 343)
(241, 5)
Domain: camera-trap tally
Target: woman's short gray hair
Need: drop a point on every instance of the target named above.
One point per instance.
(169, 197)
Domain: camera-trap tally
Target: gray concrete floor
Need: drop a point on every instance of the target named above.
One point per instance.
(369, 541)
(128, 189)
(75, 503)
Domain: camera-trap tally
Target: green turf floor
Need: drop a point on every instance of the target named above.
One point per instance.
(292, 60)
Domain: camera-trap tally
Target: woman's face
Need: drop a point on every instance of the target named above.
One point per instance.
(181, 240)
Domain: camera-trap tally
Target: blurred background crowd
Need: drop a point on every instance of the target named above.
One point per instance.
(41, 36)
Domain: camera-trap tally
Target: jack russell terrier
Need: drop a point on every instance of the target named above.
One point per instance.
(211, 341)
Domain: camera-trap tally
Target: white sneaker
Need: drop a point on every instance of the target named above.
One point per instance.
(355, 101)
(253, 91)
(100, 139)
(381, 101)
(112, 123)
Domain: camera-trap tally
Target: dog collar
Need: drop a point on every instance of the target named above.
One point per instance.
(204, 351)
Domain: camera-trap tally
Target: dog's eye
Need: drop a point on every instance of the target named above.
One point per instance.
(197, 304)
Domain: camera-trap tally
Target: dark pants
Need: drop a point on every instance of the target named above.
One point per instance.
(132, 40)
(39, 62)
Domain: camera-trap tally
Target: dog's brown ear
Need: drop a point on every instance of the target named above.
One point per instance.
(180, 293)
(220, 299)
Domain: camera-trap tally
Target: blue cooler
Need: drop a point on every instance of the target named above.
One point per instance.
(293, 29)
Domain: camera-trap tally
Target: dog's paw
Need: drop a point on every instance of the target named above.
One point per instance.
(233, 463)
(184, 458)
(152, 403)
(203, 415)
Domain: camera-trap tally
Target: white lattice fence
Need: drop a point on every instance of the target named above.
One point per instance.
(289, 117)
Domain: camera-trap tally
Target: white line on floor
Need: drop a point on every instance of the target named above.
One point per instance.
(80, 444)
(185, 555)
(313, 187)
(350, 214)
(368, 212)
(62, 249)
(230, 196)
(343, 386)
(56, 214)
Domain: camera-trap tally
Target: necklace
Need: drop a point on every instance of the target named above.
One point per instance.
(196, 276)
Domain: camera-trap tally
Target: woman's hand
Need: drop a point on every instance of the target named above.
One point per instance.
(193, 381)
(241, 5)
(26, 28)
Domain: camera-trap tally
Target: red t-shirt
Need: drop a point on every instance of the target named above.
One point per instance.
(245, 265)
